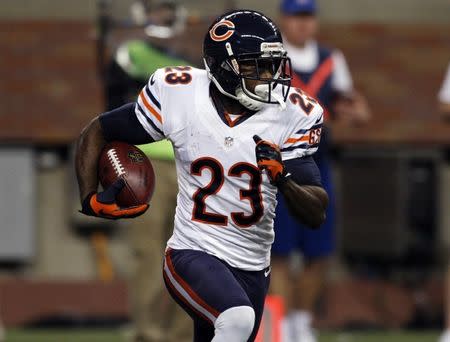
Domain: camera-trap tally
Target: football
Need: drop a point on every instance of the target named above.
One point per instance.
(122, 160)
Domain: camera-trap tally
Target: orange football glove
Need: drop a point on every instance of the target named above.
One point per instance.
(268, 157)
(103, 204)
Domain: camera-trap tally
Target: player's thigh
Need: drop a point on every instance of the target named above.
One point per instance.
(202, 284)
(255, 284)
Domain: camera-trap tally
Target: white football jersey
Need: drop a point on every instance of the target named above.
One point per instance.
(225, 205)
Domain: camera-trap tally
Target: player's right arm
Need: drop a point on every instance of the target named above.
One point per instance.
(134, 123)
(88, 147)
(120, 124)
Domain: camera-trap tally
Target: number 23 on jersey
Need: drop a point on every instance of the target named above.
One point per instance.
(252, 193)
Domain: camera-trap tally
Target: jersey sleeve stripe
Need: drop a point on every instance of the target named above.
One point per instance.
(152, 124)
(149, 107)
(298, 153)
(291, 148)
(301, 146)
(302, 131)
(316, 126)
(294, 140)
(152, 98)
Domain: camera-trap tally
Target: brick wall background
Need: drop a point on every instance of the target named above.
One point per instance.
(50, 85)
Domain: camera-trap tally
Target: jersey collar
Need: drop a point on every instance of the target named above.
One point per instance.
(223, 113)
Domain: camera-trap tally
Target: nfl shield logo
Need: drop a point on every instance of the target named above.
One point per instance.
(229, 141)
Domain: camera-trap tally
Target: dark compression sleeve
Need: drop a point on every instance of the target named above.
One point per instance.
(304, 171)
(122, 124)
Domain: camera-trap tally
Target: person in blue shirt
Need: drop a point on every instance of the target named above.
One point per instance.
(323, 74)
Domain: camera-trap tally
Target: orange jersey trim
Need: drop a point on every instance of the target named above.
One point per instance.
(149, 107)
(294, 140)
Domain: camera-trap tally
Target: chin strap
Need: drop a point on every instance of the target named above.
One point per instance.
(261, 91)
(247, 101)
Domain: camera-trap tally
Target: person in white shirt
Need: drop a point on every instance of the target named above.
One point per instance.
(444, 95)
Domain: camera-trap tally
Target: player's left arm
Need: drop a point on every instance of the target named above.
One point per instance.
(298, 180)
(305, 197)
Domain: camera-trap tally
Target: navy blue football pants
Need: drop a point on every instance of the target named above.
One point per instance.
(205, 286)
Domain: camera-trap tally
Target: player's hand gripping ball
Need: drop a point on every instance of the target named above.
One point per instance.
(128, 180)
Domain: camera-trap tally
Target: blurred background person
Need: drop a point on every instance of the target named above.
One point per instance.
(139, 55)
(444, 109)
(323, 74)
(444, 95)
(155, 316)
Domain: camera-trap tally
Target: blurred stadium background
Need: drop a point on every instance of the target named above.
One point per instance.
(58, 282)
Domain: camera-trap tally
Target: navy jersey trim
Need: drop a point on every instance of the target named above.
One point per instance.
(139, 108)
(153, 98)
(302, 131)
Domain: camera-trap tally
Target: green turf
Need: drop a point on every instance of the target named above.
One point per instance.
(380, 337)
(41, 335)
(111, 335)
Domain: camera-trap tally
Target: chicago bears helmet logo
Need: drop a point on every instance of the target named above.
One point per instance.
(220, 37)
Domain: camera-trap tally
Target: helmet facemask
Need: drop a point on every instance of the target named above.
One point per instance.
(268, 69)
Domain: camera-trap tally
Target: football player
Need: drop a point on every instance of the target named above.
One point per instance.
(240, 134)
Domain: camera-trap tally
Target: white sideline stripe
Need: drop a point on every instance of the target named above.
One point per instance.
(186, 295)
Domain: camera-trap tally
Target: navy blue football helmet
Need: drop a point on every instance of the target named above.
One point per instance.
(246, 45)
